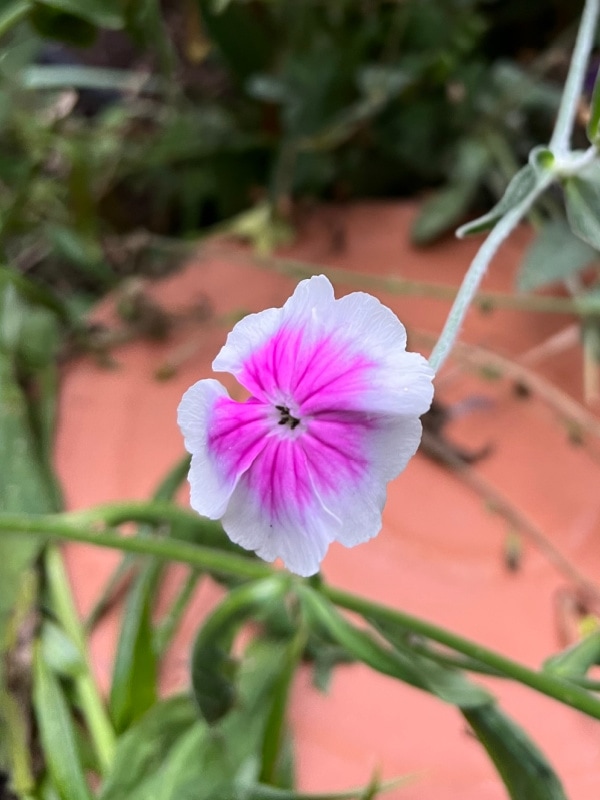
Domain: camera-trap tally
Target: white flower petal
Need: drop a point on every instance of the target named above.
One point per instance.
(401, 382)
(210, 488)
(300, 545)
(312, 301)
(311, 297)
(391, 447)
(247, 335)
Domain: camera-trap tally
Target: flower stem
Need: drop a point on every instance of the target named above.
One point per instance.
(543, 304)
(66, 527)
(478, 268)
(545, 683)
(563, 127)
(153, 512)
(61, 526)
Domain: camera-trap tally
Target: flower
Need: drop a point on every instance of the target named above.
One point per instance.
(332, 417)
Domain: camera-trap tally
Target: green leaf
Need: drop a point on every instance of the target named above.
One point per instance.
(57, 733)
(56, 24)
(65, 76)
(264, 792)
(444, 210)
(274, 739)
(555, 254)
(360, 644)
(447, 683)
(23, 487)
(210, 763)
(525, 772)
(593, 126)
(145, 748)
(582, 193)
(244, 40)
(104, 13)
(36, 294)
(213, 668)
(441, 212)
(172, 481)
(12, 14)
(522, 184)
(133, 688)
(575, 661)
(81, 250)
(59, 652)
(165, 491)
(444, 682)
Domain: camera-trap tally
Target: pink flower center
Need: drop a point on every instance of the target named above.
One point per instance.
(302, 433)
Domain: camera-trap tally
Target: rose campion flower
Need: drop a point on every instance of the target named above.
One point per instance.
(333, 415)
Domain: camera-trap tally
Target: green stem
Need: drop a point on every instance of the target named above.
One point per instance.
(154, 512)
(567, 112)
(170, 622)
(60, 527)
(64, 527)
(562, 690)
(92, 706)
(468, 289)
(544, 304)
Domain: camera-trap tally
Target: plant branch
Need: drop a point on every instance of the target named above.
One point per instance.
(61, 526)
(66, 527)
(487, 301)
(545, 683)
(470, 285)
(567, 112)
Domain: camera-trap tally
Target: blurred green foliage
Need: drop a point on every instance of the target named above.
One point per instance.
(121, 115)
(129, 126)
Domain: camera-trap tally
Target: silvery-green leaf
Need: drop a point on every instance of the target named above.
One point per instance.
(523, 183)
(555, 254)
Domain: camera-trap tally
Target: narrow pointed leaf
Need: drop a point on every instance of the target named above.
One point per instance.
(576, 660)
(57, 734)
(213, 668)
(523, 183)
(524, 770)
(134, 681)
(145, 747)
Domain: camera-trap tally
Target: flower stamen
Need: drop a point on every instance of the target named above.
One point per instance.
(287, 418)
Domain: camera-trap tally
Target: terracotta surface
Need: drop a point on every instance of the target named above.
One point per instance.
(440, 552)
